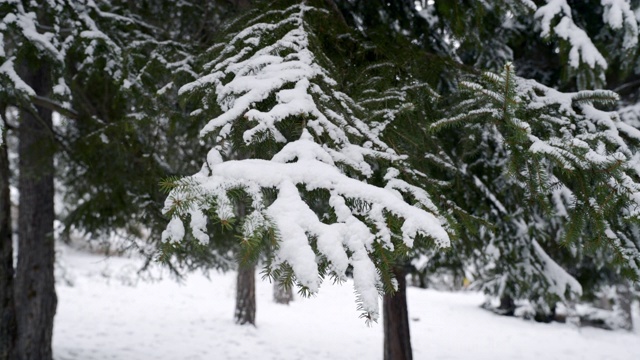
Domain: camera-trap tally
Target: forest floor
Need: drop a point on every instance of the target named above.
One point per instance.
(106, 312)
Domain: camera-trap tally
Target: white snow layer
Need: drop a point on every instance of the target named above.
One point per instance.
(618, 14)
(107, 314)
(582, 48)
(562, 281)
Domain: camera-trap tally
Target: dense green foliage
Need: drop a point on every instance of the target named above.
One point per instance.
(534, 178)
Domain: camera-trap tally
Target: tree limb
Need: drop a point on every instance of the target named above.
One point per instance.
(54, 106)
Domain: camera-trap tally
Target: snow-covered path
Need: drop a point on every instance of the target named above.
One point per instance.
(104, 316)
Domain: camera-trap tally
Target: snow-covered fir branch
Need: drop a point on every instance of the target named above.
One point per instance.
(90, 36)
(556, 19)
(273, 85)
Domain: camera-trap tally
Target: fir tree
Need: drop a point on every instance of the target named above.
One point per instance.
(108, 71)
(563, 158)
(290, 142)
(487, 35)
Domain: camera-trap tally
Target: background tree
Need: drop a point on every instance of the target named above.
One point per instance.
(107, 69)
(282, 294)
(38, 63)
(567, 174)
(573, 51)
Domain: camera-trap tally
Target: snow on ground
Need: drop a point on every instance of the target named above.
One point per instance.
(107, 314)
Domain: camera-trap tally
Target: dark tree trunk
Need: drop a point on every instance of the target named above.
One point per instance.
(7, 309)
(507, 305)
(397, 340)
(282, 294)
(35, 294)
(246, 295)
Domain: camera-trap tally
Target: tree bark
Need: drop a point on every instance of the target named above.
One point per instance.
(246, 295)
(397, 339)
(35, 294)
(281, 294)
(7, 306)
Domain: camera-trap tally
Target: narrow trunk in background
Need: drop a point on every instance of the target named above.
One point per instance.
(35, 295)
(246, 295)
(507, 305)
(625, 301)
(7, 308)
(397, 340)
(282, 294)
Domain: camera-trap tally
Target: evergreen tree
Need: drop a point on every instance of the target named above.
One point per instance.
(293, 148)
(594, 46)
(38, 64)
(108, 71)
(563, 158)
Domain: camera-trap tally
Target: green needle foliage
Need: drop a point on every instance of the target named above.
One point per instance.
(552, 173)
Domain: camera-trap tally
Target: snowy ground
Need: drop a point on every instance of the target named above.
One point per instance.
(106, 314)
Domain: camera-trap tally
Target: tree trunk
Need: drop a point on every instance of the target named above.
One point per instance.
(7, 308)
(507, 305)
(281, 294)
(35, 294)
(246, 295)
(624, 302)
(397, 340)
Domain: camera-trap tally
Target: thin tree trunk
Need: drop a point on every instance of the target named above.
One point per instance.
(246, 295)
(35, 294)
(624, 302)
(7, 308)
(397, 339)
(282, 294)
